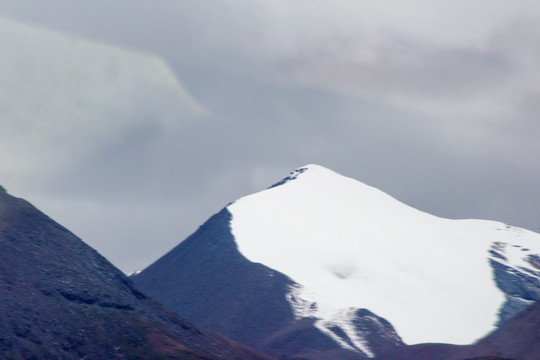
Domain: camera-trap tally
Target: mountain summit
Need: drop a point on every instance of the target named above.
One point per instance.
(325, 264)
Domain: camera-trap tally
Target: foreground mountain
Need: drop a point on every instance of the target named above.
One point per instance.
(59, 299)
(322, 266)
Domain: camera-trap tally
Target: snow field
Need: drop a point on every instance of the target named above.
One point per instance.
(352, 246)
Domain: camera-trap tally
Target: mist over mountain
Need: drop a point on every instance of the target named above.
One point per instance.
(322, 266)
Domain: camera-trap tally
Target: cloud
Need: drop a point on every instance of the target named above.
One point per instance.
(436, 59)
(191, 105)
(64, 98)
(459, 59)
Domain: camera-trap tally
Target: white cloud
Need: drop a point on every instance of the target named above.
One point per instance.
(62, 98)
(443, 59)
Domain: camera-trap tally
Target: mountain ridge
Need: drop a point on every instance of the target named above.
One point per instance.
(265, 228)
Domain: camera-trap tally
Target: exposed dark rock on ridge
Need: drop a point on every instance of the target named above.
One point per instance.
(378, 332)
(60, 299)
(292, 176)
(520, 289)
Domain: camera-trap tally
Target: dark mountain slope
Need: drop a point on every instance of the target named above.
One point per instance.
(518, 337)
(207, 280)
(207, 266)
(60, 299)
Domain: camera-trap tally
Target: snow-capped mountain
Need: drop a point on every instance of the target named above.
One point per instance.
(321, 264)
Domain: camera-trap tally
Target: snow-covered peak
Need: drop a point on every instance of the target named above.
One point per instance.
(319, 181)
(350, 245)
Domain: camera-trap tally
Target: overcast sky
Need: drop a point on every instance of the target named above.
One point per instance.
(132, 122)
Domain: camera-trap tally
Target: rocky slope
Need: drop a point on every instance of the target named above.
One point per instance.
(61, 299)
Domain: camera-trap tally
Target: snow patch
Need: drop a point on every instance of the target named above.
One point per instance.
(306, 303)
(134, 273)
(352, 246)
(301, 306)
(343, 320)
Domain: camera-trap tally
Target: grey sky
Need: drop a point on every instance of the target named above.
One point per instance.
(131, 122)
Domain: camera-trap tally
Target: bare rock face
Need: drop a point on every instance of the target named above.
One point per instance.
(60, 299)
(521, 289)
(377, 331)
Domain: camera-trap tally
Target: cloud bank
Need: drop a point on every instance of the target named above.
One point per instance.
(147, 118)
